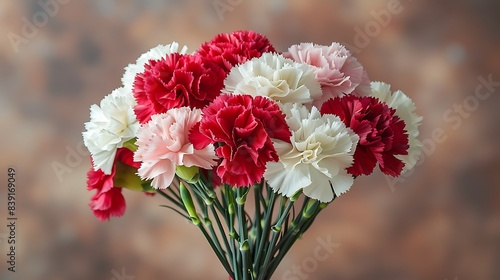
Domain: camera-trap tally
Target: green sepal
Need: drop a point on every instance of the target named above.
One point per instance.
(244, 246)
(207, 222)
(146, 187)
(310, 209)
(234, 235)
(296, 195)
(241, 199)
(130, 144)
(126, 177)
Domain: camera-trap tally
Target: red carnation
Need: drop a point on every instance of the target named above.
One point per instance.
(241, 127)
(175, 81)
(382, 135)
(228, 50)
(109, 200)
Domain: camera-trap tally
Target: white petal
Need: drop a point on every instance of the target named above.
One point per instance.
(321, 149)
(342, 183)
(284, 182)
(405, 110)
(319, 188)
(276, 77)
(111, 124)
(104, 160)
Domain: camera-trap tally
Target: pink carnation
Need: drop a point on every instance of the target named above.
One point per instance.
(163, 144)
(228, 50)
(109, 201)
(176, 81)
(337, 71)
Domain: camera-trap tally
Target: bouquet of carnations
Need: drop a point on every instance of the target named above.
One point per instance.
(247, 143)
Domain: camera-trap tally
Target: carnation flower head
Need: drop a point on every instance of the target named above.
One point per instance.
(405, 110)
(108, 200)
(112, 123)
(275, 77)
(315, 160)
(382, 134)
(337, 71)
(241, 127)
(163, 144)
(155, 53)
(175, 81)
(230, 49)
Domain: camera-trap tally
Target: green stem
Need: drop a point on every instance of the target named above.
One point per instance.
(219, 255)
(245, 257)
(215, 238)
(229, 201)
(222, 233)
(243, 231)
(257, 226)
(191, 209)
(268, 211)
(271, 249)
(300, 230)
(175, 194)
(177, 203)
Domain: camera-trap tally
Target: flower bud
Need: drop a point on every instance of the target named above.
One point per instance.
(188, 203)
(230, 206)
(188, 174)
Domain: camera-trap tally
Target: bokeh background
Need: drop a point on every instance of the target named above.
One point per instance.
(442, 222)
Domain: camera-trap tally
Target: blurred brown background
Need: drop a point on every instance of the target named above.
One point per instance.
(442, 222)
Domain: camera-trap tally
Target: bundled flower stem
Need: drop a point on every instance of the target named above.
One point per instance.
(248, 246)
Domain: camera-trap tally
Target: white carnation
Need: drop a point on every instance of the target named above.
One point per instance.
(111, 124)
(405, 110)
(155, 53)
(321, 149)
(276, 77)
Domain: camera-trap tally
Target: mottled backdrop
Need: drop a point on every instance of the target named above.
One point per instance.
(441, 222)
